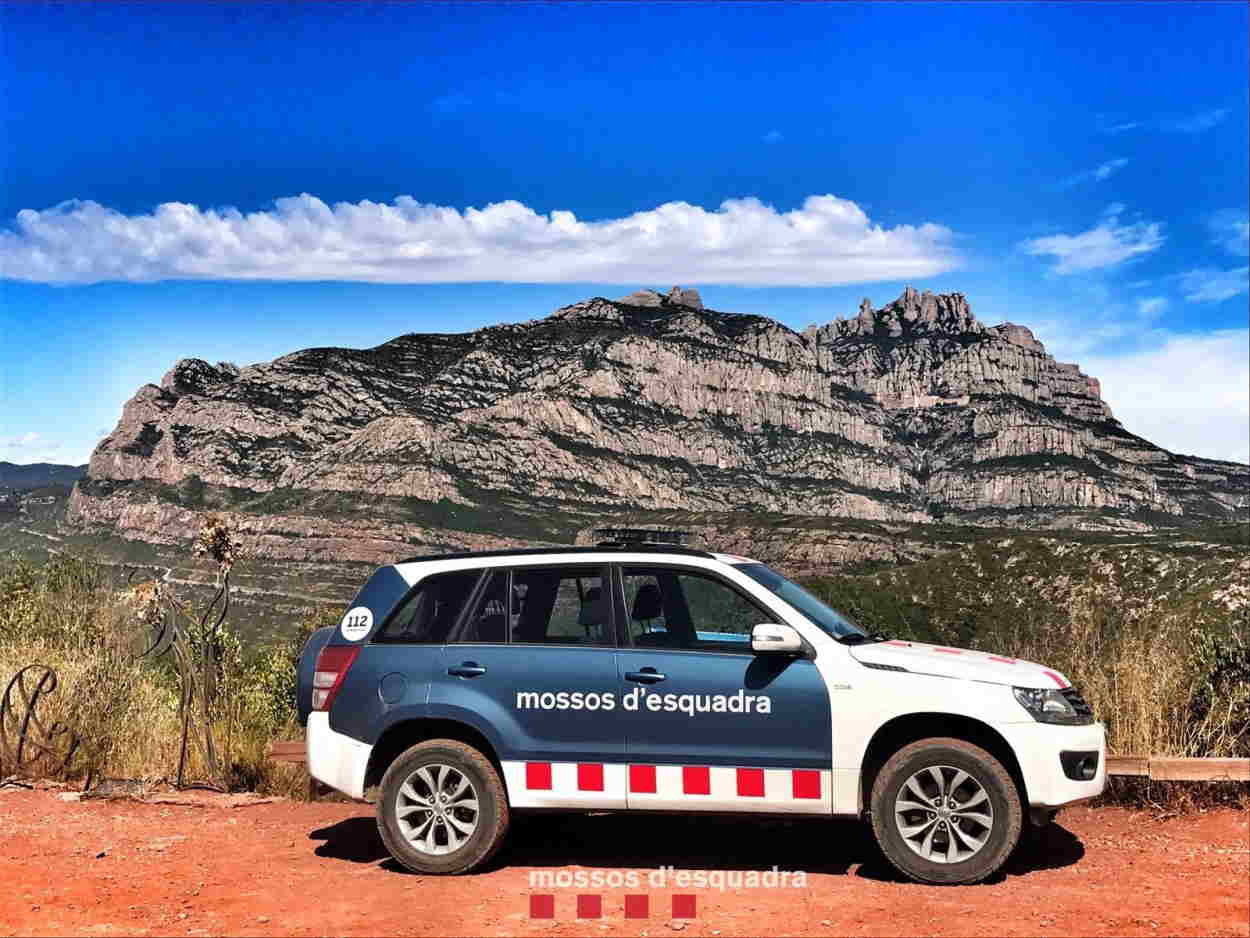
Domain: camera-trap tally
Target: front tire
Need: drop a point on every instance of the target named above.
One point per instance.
(442, 808)
(945, 811)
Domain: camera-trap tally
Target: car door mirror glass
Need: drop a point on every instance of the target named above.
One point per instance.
(771, 637)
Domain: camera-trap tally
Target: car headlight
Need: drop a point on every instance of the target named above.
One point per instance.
(1051, 706)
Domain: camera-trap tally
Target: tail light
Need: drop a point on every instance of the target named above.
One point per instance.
(331, 668)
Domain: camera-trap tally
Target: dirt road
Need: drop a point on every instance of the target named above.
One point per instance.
(122, 868)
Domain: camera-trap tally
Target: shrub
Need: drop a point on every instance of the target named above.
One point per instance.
(69, 615)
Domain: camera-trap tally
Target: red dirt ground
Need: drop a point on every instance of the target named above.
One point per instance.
(290, 868)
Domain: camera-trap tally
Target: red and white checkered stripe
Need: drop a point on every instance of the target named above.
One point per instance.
(667, 787)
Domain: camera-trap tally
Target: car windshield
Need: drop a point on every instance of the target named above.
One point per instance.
(828, 619)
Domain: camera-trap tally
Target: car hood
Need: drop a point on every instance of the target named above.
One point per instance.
(963, 663)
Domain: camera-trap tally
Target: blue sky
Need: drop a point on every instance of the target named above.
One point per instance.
(235, 182)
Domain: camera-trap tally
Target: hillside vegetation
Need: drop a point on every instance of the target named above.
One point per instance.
(1155, 634)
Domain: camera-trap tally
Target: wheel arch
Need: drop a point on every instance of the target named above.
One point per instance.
(894, 734)
(398, 737)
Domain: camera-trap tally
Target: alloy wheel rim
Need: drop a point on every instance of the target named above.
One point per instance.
(944, 814)
(437, 809)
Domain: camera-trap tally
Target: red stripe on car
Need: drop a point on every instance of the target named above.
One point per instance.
(751, 783)
(805, 783)
(696, 780)
(589, 776)
(538, 776)
(642, 779)
(1056, 678)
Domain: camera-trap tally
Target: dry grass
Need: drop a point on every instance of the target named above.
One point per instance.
(1149, 679)
(125, 709)
(1169, 799)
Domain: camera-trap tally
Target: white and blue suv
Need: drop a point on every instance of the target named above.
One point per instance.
(645, 676)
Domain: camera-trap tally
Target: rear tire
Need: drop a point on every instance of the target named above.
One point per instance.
(442, 808)
(945, 811)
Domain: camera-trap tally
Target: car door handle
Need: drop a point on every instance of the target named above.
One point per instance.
(467, 669)
(646, 676)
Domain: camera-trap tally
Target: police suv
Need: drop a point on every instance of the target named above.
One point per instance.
(641, 675)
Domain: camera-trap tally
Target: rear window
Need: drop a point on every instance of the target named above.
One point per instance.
(428, 614)
(541, 606)
(561, 606)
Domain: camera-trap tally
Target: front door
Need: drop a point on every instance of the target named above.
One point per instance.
(534, 665)
(709, 724)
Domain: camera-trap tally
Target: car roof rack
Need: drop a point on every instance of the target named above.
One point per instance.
(641, 537)
(650, 545)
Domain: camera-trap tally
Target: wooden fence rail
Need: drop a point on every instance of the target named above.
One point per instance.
(289, 750)
(1168, 769)
(1158, 768)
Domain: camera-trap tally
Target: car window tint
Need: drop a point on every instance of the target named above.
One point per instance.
(671, 608)
(488, 623)
(428, 615)
(560, 606)
(644, 603)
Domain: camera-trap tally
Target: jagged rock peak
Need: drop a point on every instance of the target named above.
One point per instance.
(678, 296)
(913, 313)
(195, 375)
(927, 312)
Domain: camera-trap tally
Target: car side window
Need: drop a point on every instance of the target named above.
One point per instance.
(671, 608)
(561, 606)
(428, 614)
(488, 623)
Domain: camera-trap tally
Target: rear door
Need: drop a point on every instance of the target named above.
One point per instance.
(534, 667)
(709, 724)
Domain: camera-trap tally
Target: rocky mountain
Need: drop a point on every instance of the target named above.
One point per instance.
(911, 413)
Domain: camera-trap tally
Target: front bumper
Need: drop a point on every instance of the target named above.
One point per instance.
(1039, 748)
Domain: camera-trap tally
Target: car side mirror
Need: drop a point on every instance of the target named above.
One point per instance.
(772, 638)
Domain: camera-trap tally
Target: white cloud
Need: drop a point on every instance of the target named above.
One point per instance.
(827, 241)
(1209, 285)
(1152, 305)
(1196, 123)
(1097, 174)
(1109, 167)
(1187, 393)
(1106, 244)
(1230, 229)
(28, 447)
(1189, 124)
